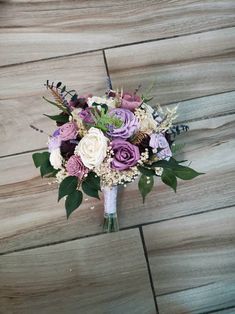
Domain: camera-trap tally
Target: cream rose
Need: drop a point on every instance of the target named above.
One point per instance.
(56, 159)
(92, 148)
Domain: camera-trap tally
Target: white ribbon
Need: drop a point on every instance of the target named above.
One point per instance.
(110, 199)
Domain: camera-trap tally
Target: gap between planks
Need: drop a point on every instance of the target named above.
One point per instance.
(116, 46)
(121, 229)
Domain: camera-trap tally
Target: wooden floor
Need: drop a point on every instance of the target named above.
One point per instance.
(175, 254)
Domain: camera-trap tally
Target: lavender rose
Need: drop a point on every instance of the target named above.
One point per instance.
(68, 131)
(126, 155)
(158, 141)
(75, 167)
(130, 101)
(129, 126)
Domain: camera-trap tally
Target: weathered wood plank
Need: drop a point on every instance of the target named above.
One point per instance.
(21, 96)
(181, 68)
(205, 107)
(32, 30)
(96, 275)
(29, 221)
(208, 299)
(192, 260)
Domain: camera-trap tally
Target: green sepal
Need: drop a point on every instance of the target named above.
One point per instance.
(73, 201)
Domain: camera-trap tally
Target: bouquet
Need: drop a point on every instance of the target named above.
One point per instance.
(100, 143)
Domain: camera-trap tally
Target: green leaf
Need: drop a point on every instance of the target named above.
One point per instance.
(186, 173)
(58, 118)
(40, 158)
(67, 186)
(147, 171)
(90, 190)
(93, 180)
(73, 201)
(168, 177)
(46, 169)
(145, 185)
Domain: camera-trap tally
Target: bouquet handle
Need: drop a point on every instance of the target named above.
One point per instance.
(110, 209)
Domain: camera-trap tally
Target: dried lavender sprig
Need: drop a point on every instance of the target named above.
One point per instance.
(177, 129)
(39, 130)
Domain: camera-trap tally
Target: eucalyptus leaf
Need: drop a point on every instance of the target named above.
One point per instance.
(145, 185)
(73, 201)
(168, 177)
(63, 89)
(67, 186)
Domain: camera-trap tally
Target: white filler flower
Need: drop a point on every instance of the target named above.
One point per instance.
(56, 159)
(92, 148)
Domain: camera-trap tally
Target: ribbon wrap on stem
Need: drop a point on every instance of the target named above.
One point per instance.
(110, 209)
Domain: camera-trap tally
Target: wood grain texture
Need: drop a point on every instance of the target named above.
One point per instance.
(181, 68)
(31, 30)
(205, 107)
(97, 275)
(30, 215)
(192, 260)
(21, 102)
(208, 299)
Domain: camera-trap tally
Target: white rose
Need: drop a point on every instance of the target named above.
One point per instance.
(92, 148)
(56, 159)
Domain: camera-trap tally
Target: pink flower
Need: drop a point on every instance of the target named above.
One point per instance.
(75, 167)
(68, 131)
(130, 101)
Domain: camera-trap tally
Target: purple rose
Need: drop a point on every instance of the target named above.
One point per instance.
(75, 167)
(126, 155)
(68, 131)
(130, 101)
(129, 126)
(86, 116)
(159, 142)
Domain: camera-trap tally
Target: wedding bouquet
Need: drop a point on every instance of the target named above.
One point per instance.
(103, 142)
